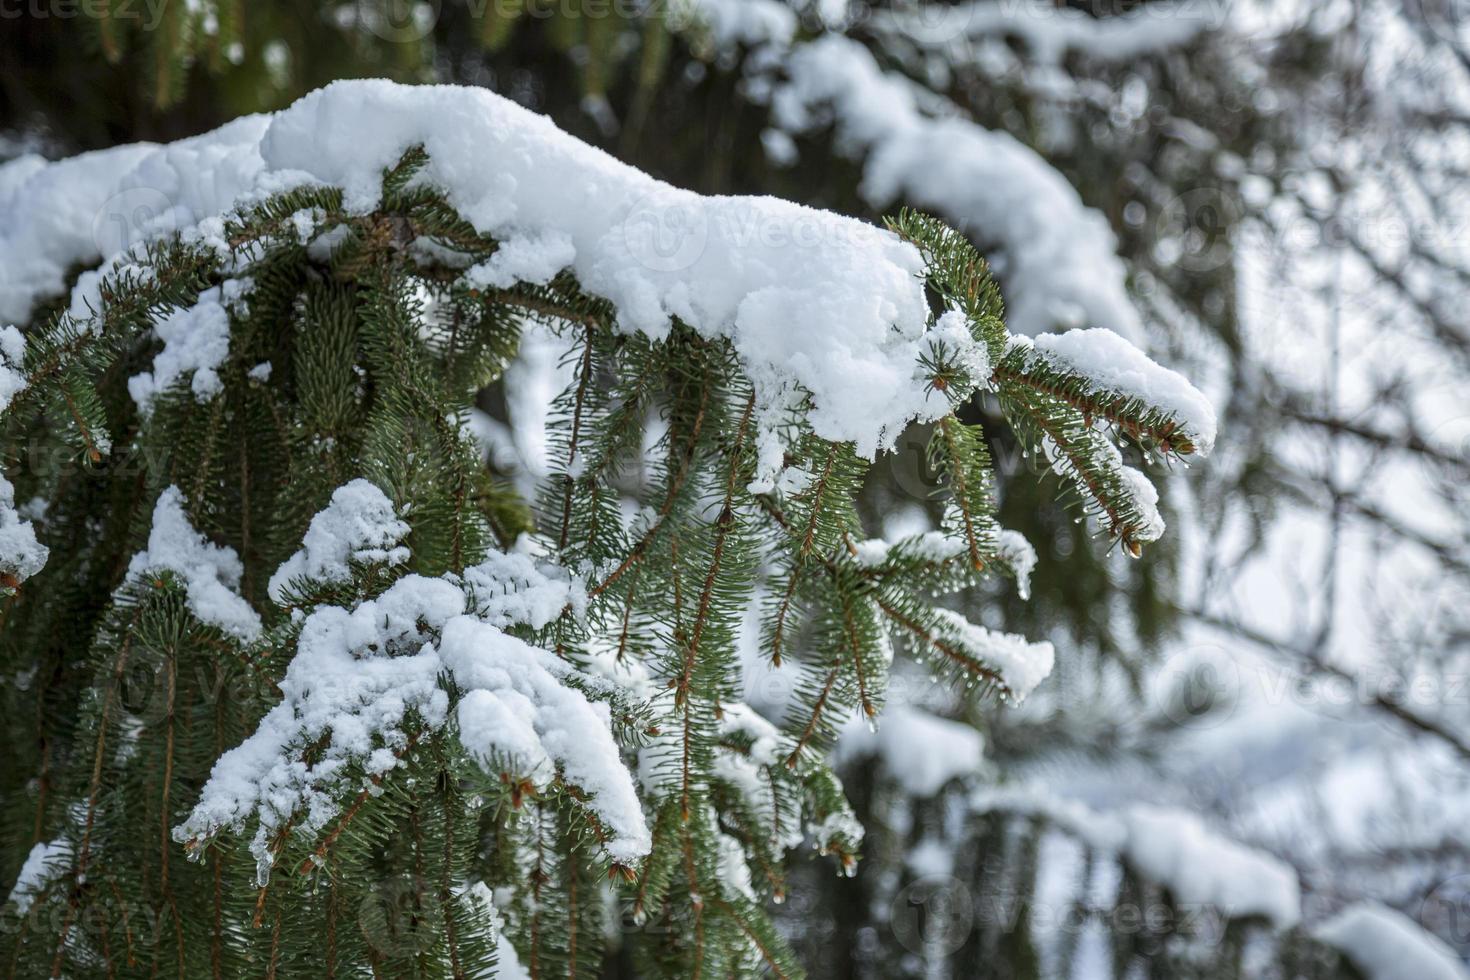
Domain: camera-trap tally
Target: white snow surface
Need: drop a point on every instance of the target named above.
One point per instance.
(21, 555)
(358, 525)
(1021, 663)
(210, 572)
(517, 708)
(43, 864)
(195, 340)
(12, 365)
(1387, 945)
(1200, 867)
(810, 300)
(1113, 364)
(359, 674)
(49, 213)
(513, 587)
(921, 750)
(1017, 552)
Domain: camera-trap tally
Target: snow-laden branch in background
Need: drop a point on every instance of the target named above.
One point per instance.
(1172, 848)
(1055, 257)
(1387, 945)
(1049, 32)
(920, 750)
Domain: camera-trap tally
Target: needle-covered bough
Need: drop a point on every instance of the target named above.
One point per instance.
(308, 690)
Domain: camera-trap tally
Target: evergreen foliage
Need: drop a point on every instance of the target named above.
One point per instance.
(391, 836)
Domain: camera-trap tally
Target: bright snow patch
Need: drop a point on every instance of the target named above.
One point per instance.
(920, 750)
(12, 365)
(1200, 867)
(360, 675)
(195, 340)
(811, 301)
(1115, 365)
(43, 865)
(1021, 664)
(21, 555)
(1387, 945)
(210, 572)
(359, 525)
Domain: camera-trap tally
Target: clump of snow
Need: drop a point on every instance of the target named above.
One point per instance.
(356, 676)
(360, 676)
(507, 963)
(197, 340)
(748, 772)
(1021, 664)
(1146, 498)
(920, 750)
(518, 708)
(732, 869)
(1016, 552)
(1385, 945)
(12, 365)
(49, 214)
(21, 555)
(1113, 364)
(1056, 258)
(952, 329)
(44, 864)
(359, 525)
(510, 588)
(813, 303)
(528, 258)
(930, 546)
(1201, 867)
(838, 825)
(210, 572)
